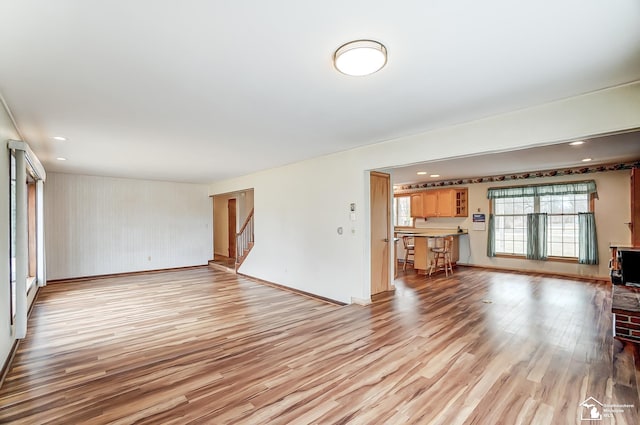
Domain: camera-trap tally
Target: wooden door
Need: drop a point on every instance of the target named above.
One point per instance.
(231, 210)
(380, 224)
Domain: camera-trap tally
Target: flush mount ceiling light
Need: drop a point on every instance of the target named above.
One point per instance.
(360, 57)
(61, 158)
(587, 160)
(434, 175)
(421, 173)
(577, 143)
(60, 138)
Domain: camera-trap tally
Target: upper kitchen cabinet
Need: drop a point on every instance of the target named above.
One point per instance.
(417, 205)
(430, 206)
(460, 207)
(451, 202)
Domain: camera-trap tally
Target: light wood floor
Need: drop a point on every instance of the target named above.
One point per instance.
(203, 346)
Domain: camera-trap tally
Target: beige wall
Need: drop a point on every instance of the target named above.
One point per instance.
(612, 212)
(299, 206)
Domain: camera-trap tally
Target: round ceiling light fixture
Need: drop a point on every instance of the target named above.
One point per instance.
(360, 57)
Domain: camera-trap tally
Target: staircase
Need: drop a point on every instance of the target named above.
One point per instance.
(244, 243)
(244, 240)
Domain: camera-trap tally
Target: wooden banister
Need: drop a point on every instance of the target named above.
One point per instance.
(244, 239)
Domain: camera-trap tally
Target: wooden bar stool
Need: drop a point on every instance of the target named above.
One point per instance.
(442, 253)
(409, 249)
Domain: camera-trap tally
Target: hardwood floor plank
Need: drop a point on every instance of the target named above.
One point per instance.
(204, 346)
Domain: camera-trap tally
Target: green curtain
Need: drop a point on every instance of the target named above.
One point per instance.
(588, 186)
(491, 237)
(587, 239)
(537, 236)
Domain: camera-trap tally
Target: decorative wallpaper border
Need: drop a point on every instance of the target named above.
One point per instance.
(413, 187)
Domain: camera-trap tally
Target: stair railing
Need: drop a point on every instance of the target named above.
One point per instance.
(244, 239)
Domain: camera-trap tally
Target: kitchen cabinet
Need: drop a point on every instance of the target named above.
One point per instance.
(416, 204)
(430, 203)
(460, 208)
(450, 202)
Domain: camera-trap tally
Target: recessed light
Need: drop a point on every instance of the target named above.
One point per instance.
(586, 159)
(60, 138)
(577, 143)
(421, 173)
(434, 175)
(61, 158)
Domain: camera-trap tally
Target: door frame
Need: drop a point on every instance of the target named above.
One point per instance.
(390, 251)
(232, 225)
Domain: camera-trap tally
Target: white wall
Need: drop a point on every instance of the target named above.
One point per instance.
(612, 211)
(299, 206)
(103, 225)
(7, 336)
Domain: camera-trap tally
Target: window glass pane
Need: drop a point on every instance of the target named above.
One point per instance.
(518, 248)
(556, 205)
(402, 211)
(545, 204)
(529, 205)
(562, 224)
(508, 206)
(508, 246)
(582, 205)
(518, 208)
(499, 206)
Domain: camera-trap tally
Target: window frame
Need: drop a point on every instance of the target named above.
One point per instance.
(395, 210)
(536, 200)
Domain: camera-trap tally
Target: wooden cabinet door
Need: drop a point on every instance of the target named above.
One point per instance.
(430, 203)
(460, 202)
(446, 199)
(416, 205)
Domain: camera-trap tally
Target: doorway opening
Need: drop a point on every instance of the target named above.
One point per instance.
(230, 212)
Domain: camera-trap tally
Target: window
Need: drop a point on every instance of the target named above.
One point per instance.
(515, 211)
(511, 224)
(402, 211)
(32, 263)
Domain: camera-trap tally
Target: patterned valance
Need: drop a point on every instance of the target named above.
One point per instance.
(581, 187)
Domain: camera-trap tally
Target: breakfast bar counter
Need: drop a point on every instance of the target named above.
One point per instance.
(425, 240)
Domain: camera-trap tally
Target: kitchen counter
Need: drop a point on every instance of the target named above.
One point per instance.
(425, 240)
(431, 233)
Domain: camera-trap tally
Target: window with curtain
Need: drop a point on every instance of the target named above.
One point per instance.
(542, 221)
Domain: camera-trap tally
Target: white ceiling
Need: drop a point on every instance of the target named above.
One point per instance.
(206, 90)
(610, 149)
